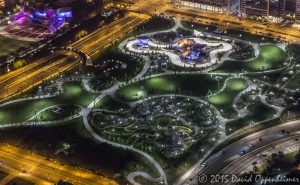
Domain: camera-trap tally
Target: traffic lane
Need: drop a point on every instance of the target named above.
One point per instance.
(217, 161)
(107, 42)
(43, 74)
(245, 162)
(289, 34)
(91, 36)
(33, 73)
(43, 169)
(234, 150)
(41, 65)
(102, 38)
(25, 69)
(240, 165)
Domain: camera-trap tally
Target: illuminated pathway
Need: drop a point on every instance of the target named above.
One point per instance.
(175, 58)
(91, 45)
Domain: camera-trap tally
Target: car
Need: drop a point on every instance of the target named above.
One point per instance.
(243, 152)
(283, 132)
(203, 164)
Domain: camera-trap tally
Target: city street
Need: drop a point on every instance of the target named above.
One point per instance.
(37, 169)
(231, 154)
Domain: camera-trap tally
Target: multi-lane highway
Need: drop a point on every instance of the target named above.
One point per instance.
(105, 36)
(19, 81)
(153, 6)
(228, 21)
(39, 170)
(232, 153)
(36, 169)
(245, 163)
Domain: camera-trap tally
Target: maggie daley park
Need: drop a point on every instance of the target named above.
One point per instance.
(155, 92)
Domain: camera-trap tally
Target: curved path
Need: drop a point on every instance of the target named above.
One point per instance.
(111, 91)
(132, 175)
(175, 58)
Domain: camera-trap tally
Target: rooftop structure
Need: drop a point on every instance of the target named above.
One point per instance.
(248, 8)
(212, 5)
(53, 19)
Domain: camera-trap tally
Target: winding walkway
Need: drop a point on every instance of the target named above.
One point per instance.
(128, 43)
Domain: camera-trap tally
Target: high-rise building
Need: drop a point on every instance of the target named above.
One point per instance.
(212, 5)
(10, 4)
(249, 8)
(277, 8)
(297, 14)
(262, 8)
(254, 7)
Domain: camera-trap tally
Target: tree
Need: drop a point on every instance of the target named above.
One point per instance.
(19, 63)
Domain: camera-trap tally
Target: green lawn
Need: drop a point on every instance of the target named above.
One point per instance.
(258, 112)
(156, 23)
(21, 111)
(8, 45)
(224, 99)
(270, 57)
(243, 54)
(50, 114)
(294, 83)
(196, 85)
(109, 104)
(133, 64)
(198, 26)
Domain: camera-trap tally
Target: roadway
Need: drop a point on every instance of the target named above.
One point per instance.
(218, 161)
(106, 35)
(225, 21)
(23, 79)
(150, 7)
(35, 73)
(245, 163)
(36, 169)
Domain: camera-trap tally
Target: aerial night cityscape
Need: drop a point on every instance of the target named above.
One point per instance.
(150, 92)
